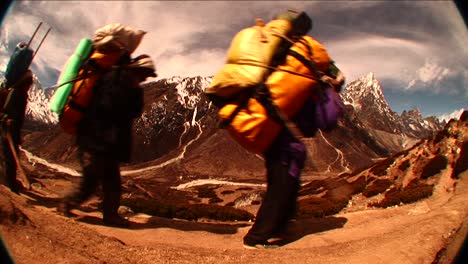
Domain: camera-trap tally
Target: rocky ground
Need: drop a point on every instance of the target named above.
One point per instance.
(408, 208)
(428, 231)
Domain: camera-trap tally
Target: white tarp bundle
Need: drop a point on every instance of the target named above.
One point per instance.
(115, 37)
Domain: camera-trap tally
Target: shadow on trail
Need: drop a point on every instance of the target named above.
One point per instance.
(182, 225)
(303, 227)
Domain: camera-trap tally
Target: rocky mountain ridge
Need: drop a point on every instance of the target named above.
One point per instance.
(380, 213)
(366, 96)
(177, 114)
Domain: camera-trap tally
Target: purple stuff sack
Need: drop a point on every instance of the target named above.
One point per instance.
(322, 113)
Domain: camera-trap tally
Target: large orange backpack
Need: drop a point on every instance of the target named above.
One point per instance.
(253, 50)
(109, 44)
(289, 86)
(82, 91)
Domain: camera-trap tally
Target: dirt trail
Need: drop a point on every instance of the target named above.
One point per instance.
(413, 233)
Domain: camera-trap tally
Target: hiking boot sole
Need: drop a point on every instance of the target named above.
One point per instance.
(260, 246)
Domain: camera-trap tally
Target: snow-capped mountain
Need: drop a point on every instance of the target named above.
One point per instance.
(179, 123)
(365, 95)
(174, 113)
(38, 114)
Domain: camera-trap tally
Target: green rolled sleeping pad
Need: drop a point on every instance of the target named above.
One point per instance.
(69, 72)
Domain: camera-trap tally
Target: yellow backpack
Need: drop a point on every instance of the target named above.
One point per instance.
(289, 86)
(253, 50)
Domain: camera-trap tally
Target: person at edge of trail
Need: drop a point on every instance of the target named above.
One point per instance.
(284, 161)
(104, 135)
(11, 121)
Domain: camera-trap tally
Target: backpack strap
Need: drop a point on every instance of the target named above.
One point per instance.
(309, 64)
(263, 96)
(322, 78)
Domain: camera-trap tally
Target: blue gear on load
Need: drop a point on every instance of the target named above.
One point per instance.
(18, 64)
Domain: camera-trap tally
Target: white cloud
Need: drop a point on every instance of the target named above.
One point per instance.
(189, 38)
(386, 57)
(202, 63)
(430, 72)
(455, 114)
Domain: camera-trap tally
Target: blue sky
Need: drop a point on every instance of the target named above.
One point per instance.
(416, 49)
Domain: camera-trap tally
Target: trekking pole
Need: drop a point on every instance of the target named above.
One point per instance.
(40, 44)
(22, 174)
(34, 34)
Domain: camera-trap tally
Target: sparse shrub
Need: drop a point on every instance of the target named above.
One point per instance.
(209, 193)
(313, 207)
(215, 200)
(244, 189)
(441, 135)
(187, 211)
(415, 191)
(404, 165)
(319, 207)
(333, 201)
(434, 166)
(204, 192)
(378, 186)
(380, 169)
(358, 185)
(462, 162)
(464, 116)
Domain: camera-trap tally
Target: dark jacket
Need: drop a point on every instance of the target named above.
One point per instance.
(107, 124)
(15, 105)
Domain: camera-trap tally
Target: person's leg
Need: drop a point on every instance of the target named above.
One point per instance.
(296, 151)
(111, 186)
(273, 212)
(91, 167)
(9, 167)
(290, 208)
(284, 162)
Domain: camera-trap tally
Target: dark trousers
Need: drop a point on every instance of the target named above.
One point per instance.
(9, 167)
(98, 169)
(279, 203)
